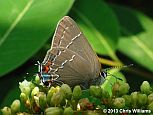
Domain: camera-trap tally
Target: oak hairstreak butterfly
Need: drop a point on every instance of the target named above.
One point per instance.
(71, 59)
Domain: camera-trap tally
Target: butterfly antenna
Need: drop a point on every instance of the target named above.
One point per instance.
(115, 67)
(105, 72)
(38, 63)
(33, 74)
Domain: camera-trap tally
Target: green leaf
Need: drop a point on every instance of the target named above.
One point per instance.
(99, 25)
(137, 36)
(25, 25)
(113, 76)
(13, 94)
(10, 84)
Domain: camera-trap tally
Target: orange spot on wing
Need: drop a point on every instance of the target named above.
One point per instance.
(46, 69)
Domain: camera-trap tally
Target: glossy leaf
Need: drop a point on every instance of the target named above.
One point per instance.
(99, 24)
(137, 36)
(25, 25)
(9, 84)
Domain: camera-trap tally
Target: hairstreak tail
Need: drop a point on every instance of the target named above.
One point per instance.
(71, 59)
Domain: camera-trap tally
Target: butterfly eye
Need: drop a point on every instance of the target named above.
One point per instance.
(45, 69)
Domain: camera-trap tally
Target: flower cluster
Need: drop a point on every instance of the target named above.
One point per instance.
(62, 100)
(142, 99)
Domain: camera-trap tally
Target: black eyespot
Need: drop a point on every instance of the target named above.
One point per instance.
(104, 74)
(46, 83)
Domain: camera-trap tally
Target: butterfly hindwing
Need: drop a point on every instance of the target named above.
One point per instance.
(73, 59)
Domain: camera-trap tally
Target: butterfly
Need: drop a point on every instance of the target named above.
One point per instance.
(71, 59)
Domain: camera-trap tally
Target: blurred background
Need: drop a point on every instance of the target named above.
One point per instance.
(121, 33)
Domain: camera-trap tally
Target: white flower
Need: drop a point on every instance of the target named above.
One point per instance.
(26, 87)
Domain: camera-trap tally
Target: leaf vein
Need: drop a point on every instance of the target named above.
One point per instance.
(144, 47)
(16, 21)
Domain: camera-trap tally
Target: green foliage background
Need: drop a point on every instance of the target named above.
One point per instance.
(116, 32)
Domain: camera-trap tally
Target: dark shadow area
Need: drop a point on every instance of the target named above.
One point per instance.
(12, 79)
(128, 20)
(135, 75)
(140, 5)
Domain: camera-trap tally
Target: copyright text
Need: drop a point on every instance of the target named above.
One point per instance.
(126, 111)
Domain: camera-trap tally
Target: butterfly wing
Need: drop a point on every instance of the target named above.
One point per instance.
(73, 59)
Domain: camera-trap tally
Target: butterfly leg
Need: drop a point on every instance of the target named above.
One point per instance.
(114, 76)
(58, 82)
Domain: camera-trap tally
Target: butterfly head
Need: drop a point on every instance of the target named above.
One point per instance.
(43, 73)
(47, 77)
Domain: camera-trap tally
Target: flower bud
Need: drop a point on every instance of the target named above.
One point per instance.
(89, 112)
(24, 113)
(15, 106)
(42, 101)
(63, 102)
(92, 90)
(119, 102)
(54, 111)
(35, 91)
(85, 104)
(57, 98)
(68, 111)
(150, 107)
(127, 100)
(57, 89)
(150, 98)
(145, 87)
(37, 79)
(25, 87)
(115, 89)
(134, 99)
(124, 89)
(77, 92)
(95, 91)
(105, 98)
(50, 94)
(67, 91)
(6, 111)
(28, 104)
(142, 99)
(105, 94)
(34, 104)
(23, 97)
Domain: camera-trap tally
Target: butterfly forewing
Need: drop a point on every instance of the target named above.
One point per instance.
(72, 57)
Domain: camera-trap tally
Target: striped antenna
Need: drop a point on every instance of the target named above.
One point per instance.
(105, 72)
(115, 67)
(34, 74)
